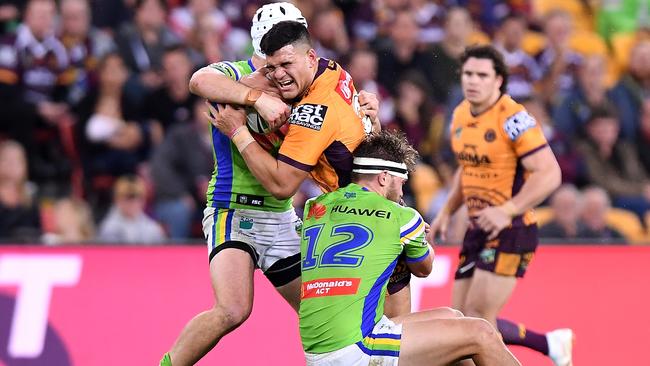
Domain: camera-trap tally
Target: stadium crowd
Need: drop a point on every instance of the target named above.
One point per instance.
(101, 140)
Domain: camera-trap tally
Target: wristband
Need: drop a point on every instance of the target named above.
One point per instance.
(234, 132)
(509, 208)
(242, 138)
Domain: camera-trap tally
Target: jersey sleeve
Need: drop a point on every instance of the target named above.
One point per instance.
(412, 236)
(524, 133)
(233, 70)
(312, 127)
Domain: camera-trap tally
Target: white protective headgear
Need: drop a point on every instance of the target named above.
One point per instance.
(269, 15)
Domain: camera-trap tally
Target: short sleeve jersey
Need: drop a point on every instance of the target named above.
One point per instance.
(324, 128)
(489, 147)
(232, 184)
(351, 240)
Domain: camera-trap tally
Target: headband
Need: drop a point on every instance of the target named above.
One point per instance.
(376, 166)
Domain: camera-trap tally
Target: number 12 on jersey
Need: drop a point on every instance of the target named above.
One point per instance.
(338, 253)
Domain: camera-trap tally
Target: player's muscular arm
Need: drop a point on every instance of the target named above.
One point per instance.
(422, 268)
(280, 179)
(217, 87)
(454, 201)
(545, 176)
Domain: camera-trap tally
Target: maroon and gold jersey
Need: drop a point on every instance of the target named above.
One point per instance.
(324, 128)
(489, 148)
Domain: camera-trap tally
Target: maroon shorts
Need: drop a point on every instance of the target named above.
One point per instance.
(507, 255)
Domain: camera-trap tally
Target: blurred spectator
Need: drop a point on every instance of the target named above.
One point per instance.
(172, 103)
(430, 16)
(575, 108)
(571, 163)
(180, 169)
(19, 215)
(403, 54)
(108, 15)
(628, 93)
(32, 62)
(9, 15)
(566, 204)
(643, 137)
(614, 166)
(491, 13)
(595, 206)
(113, 138)
(85, 45)
(205, 28)
(523, 69)
(142, 43)
(363, 69)
(73, 223)
(183, 20)
(126, 221)
(558, 62)
(445, 68)
(329, 34)
(413, 109)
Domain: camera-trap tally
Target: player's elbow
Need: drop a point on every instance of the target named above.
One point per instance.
(198, 81)
(422, 268)
(555, 176)
(283, 191)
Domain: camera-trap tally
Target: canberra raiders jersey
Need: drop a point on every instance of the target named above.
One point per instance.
(350, 244)
(232, 184)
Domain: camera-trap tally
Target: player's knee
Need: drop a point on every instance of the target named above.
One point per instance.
(485, 336)
(233, 315)
(448, 312)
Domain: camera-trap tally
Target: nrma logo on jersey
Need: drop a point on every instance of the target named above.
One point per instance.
(330, 287)
(26, 337)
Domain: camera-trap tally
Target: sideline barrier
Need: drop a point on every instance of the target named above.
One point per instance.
(96, 306)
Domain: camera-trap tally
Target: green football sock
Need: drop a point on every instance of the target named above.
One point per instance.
(166, 360)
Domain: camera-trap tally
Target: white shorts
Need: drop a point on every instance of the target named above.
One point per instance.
(269, 237)
(380, 348)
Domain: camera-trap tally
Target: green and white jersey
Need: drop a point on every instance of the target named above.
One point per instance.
(232, 184)
(350, 244)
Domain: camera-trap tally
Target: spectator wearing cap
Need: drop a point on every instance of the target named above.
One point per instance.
(613, 164)
(126, 222)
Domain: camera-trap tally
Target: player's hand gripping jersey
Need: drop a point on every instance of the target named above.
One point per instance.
(325, 128)
(351, 241)
(489, 147)
(232, 184)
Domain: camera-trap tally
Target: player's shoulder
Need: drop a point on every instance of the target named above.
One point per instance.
(515, 118)
(232, 69)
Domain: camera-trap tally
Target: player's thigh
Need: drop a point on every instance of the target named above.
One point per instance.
(437, 313)
(398, 303)
(488, 293)
(232, 262)
(231, 274)
(459, 293)
(442, 341)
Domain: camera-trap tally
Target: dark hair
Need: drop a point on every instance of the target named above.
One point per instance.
(387, 145)
(139, 3)
(490, 53)
(605, 111)
(283, 34)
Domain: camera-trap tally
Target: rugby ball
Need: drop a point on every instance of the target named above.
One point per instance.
(255, 122)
